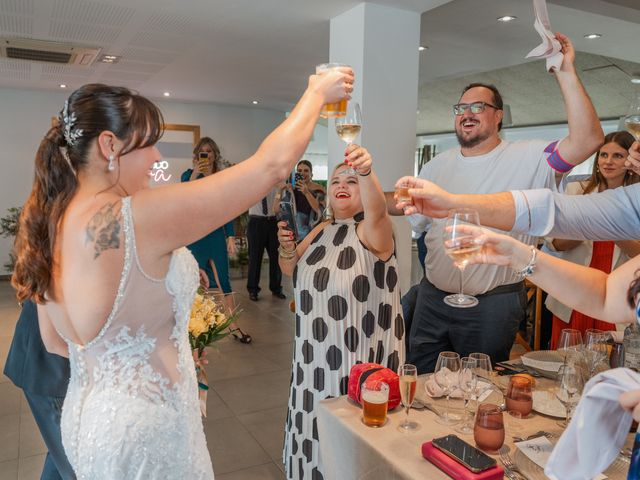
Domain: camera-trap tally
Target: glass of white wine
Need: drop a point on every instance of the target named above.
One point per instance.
(348, 127)
(632, 118)
(460, 246)
(408, 376)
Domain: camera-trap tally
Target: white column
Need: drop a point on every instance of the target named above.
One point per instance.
(381, 44)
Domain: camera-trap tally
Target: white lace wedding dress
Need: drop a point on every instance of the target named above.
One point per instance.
(131, 410)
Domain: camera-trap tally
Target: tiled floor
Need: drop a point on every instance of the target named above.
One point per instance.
(246, 405)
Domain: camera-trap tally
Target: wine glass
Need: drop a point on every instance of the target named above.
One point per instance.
(460, 247)
(632, 118)
(408, 380)
(446, 377)
(570, 343)
(348, 127)
(570, 389)
(467, 381)
(483, 372)
(595, 349)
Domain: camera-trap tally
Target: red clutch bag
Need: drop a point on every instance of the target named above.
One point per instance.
(456, 470)
(362, 372)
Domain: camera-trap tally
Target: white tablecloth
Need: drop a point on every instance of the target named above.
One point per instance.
(351, 450)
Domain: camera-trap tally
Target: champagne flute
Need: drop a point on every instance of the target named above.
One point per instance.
(595, 349)
(468, 381)
(408, 381)
(446, 377)
(348, 127)
(460, 247)
(570, 389)
(632, 118)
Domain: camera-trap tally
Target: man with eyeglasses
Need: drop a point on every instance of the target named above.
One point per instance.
(485, 163)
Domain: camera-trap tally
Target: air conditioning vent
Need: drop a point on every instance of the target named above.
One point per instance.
(38, 55)
(50, 52)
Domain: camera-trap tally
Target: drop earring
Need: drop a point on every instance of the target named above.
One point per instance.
(111, 167)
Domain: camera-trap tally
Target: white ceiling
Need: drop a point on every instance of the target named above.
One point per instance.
(233, 52)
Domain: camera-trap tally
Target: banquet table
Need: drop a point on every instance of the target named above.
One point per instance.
(351, 450)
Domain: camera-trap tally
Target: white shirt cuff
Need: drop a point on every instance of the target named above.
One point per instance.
(535, 212)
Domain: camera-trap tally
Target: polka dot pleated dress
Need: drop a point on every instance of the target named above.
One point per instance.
(347, 311)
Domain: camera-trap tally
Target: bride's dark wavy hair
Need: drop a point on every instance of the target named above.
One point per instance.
(135, 120)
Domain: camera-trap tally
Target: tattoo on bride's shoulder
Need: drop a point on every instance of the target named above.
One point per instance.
(103, 230)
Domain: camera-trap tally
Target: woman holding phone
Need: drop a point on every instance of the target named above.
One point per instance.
(219, 244)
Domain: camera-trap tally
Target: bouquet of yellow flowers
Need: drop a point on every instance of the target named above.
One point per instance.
(210, 317)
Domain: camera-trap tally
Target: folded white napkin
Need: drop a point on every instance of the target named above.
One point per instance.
(597, 430)
(539, 450)
(435, 391)
(550, 48)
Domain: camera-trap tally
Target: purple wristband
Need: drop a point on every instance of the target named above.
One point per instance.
(555, 160)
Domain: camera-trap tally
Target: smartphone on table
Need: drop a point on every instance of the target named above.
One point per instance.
(468, 455)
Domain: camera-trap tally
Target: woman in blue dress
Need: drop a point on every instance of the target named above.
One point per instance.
(219, 244)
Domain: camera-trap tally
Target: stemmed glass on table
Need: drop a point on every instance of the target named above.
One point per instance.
(348, 126)
(460, 246)
(570, 343)
(571, 384)
(408, 377)
(468, 381)
(446, 377)
(595, 349)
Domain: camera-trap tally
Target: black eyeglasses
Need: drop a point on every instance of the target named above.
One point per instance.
(475, 107)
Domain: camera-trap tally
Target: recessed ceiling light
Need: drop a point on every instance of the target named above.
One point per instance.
(591, 36)
(167, 94)
(422, 48)
(63, 85)
(635, 79)
(506, 18)
(109, 59)
(255, 102)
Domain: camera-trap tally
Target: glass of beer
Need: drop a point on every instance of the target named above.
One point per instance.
(488, 431)
(519, 399)
(402, 193)
(332, 110)
(375, 399)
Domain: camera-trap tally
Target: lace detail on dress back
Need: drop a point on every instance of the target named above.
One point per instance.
(132, 409)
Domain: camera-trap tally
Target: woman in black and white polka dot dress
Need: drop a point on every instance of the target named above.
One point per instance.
(347, 303)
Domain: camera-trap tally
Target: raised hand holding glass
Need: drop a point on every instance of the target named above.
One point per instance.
(460, 246)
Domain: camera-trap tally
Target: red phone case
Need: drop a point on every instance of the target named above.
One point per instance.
(456, 470)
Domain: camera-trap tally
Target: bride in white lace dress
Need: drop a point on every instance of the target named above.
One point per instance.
(101, 254)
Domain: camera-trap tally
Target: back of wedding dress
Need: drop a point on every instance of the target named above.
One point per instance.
(132, 409)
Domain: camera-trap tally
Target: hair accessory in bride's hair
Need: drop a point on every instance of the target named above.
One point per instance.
(71, 135)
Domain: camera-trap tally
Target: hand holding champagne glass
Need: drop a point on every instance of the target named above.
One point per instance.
(460, 247)
(408, 377)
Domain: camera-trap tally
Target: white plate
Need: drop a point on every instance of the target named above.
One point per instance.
(547, 360)
(545, 402)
